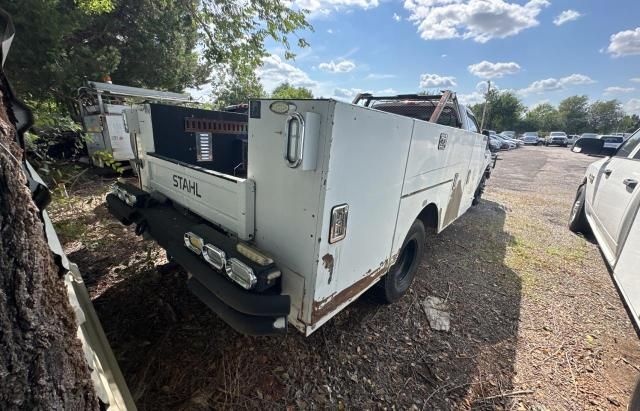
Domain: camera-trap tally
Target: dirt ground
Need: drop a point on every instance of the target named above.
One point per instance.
(536, 324)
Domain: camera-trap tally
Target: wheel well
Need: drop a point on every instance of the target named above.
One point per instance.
(429, 217)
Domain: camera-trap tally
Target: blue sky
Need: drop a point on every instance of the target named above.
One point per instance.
(545, 50)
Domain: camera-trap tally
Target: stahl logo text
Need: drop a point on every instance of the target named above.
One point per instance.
(187, 185)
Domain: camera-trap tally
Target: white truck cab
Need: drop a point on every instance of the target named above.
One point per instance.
(289, 215)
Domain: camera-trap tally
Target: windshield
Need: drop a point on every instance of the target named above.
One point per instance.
(530, 134)
(612, 139)
(558, 134)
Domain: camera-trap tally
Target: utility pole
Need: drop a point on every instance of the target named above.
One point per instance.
(486, 103)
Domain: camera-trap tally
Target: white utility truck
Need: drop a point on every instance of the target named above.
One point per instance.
(334, 198)
(101, 106)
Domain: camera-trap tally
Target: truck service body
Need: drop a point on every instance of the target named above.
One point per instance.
(330, 192)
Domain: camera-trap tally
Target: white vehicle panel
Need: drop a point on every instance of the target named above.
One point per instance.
(288, 199)
(225, 200)
(365, 170)
(119, 138)
(613, 197)
(626, 273)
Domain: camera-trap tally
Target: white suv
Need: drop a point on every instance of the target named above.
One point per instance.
(558, 138)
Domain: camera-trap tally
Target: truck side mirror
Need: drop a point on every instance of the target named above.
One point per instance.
(592, 146)
(486, 133)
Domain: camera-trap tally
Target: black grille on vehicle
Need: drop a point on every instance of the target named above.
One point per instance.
(420, 110)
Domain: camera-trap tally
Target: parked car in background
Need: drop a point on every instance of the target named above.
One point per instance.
(589, 135)
(572, 138)
(530, 138)
(606, 204)
(558, 138)
(494, 145)
(510, 143)
(508, 134)
(502, 145)
(612, 141)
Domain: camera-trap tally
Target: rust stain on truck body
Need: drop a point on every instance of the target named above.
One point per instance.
(330, 303)
(327, 260)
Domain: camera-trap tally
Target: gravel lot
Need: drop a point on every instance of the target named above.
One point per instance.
(536, 320)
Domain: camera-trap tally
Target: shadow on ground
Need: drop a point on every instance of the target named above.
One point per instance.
(176, 354)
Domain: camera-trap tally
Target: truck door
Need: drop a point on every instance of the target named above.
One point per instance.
(619, 179)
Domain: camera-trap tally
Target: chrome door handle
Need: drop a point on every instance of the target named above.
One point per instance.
(608, 172)
(630, 182)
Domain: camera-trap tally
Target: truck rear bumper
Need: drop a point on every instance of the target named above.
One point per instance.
(247, 312)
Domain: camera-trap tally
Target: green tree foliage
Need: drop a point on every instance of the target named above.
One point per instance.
(604, 116)
(629, 124)
(544, 117)
(505, 111)
(241, 91)
(163, 44)
(574, 114)
(287, 91)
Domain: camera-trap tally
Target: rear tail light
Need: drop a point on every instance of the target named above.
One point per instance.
(252, 254)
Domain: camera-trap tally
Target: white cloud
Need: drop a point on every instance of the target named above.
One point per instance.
(325, 7)
(443, 56)
(636, 79)
(379, 76)
(632, 106)
(553, 84)
(343, 66)
(625, 43)
(486, 69)
(434, 80)
(329, 31)
(471, 98)
(618, 90)
(566, 16)
(480, 20)
(275, 71)
(396, 17)
(346, 94)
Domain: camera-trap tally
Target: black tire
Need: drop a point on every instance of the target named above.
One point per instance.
(478, 194)
(400, 277)
(577, 219)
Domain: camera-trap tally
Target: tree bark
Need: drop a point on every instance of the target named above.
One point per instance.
(42, 365)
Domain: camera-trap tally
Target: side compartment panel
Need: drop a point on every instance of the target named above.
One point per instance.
(436, 175)
(287, 199)
(365, 170)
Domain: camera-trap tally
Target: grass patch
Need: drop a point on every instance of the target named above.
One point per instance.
(70, 230)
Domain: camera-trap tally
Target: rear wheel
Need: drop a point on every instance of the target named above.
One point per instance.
(578, 219)
(400, 277)
(478, 194)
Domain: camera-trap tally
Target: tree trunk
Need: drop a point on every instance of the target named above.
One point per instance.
(42, 365)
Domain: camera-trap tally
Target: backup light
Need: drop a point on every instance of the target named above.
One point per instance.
(193, 242)
(241, 273)
(252, 254)
(214, 256)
